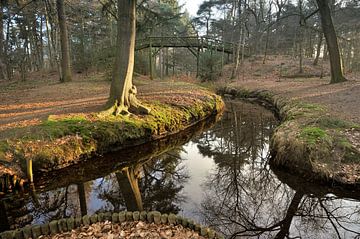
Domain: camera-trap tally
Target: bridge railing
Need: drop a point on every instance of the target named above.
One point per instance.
(188, 41)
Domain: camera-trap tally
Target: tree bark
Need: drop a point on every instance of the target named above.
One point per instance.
(2, 55)
(122, 92)
(64, 42)
(318, 49)
(331, 41)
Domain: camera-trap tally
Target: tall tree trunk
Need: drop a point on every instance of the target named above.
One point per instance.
(41, 42)
(123, 92)
(2, 55)
(301, 37)
(64, 41)
(318, 49)
(49, 38)
(301, 69)
(83, 66)
(332, 43)
(241, 35)
(8, 66)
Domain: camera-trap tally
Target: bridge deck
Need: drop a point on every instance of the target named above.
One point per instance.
(188, 42)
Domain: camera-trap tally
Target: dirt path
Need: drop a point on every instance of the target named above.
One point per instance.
(28, 103)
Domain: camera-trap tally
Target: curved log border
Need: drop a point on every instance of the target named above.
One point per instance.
(68, 224)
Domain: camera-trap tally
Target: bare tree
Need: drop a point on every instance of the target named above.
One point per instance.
(331, 40)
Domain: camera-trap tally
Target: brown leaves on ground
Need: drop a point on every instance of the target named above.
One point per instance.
(128, 230)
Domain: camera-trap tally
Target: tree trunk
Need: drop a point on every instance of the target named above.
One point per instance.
(123, 92)
(2, 55)
(332, 43)
(8, 66)
(318, 49)
(301, 69)
(64, 41)
(41, 42)
(48, 36)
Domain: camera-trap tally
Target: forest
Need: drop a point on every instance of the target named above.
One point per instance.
(156, 119)
(41, 35)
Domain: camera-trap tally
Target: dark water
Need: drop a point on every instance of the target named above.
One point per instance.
(221, 178)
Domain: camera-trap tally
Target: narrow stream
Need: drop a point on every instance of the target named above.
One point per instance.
(221, 177)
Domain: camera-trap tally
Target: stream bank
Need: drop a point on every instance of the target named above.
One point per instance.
(310, 141)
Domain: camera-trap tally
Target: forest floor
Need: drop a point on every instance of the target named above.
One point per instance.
(31, 102)
(280, 76)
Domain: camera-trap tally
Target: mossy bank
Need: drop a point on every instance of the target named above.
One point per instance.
(309, 141)
(63, 140)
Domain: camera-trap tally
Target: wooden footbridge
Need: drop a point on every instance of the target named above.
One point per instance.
(195, 44)
(186, 42)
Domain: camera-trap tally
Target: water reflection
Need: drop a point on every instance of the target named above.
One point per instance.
(222, 178)
(245, 199)
(154, 185)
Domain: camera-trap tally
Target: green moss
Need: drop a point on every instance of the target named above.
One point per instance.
(313, 135)
(297, 110)
(308, 106)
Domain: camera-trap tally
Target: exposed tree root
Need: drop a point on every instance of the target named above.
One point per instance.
(131, 105)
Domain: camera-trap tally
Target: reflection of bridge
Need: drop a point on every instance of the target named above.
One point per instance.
(195, 44)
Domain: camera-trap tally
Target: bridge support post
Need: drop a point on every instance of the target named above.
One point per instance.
(198, 62)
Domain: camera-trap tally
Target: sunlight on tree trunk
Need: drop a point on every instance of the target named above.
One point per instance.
(122, 92)
(332, 43)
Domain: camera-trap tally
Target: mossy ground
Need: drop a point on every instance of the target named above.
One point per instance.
(61, 140)
(310, 141)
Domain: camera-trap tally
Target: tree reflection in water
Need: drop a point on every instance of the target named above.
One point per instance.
(153, 185)
(244, 198)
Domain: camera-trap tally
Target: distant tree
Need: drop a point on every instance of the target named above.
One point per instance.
(205, 14)
(64, 41)
(2, 64)
(331, 40)
(122, 92)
